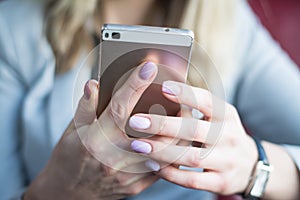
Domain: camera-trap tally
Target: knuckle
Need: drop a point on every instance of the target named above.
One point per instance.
(118, 111)
(222, 185)
(230, 164)
(107, 171)
(134, 85)
(208, 100)
(232, 112)
(171, 175)
(134, 190)
(194, 159)
(193, 182)
(121, 180)
(232, 140)
(162, 125)
(198, 130)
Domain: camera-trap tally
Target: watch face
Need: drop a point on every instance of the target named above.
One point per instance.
(261, 178)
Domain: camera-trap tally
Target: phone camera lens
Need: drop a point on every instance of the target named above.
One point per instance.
(167, 30)
(116, 35)
(106, 35)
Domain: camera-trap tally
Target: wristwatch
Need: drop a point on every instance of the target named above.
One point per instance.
(260, 175)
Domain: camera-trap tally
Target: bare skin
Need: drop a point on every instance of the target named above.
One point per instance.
(84, 164)
(79, 175)
(229, 165)
(75, 172)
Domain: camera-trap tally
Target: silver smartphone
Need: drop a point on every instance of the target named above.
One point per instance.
(124, 47)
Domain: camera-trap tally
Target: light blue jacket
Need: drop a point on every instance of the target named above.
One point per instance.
(36, 105)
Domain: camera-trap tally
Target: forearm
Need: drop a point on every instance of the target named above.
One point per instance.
(41, 189)
(59, 177)
(284, 179)
(49, 184)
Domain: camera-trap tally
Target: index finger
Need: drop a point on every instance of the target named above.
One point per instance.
(194, 97)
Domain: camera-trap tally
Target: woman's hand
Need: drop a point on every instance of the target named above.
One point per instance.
(91, 160)
(227, 157)
(228, 165)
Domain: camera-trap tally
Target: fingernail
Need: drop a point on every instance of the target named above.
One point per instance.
(141, 147)
(152, 165)
(147, 70)
(170, 88)
(197, 114)
(137, 122)
(87, 90)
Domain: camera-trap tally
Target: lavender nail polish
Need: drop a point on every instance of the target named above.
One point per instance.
(147, 70)
(137, 122)
(152, 165)
(141, 147)
(170, 88)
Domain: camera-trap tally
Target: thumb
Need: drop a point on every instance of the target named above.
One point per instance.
(86, 110)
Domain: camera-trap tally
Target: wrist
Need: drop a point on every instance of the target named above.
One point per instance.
(260, 174)
(47, 185)
(284, 180)
(62, 176)
(251, 157)
(39, 189)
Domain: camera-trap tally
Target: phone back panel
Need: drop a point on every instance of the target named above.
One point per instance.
(118, 58)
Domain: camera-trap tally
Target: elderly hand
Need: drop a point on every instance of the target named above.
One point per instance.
(227, 167)
(91, 160)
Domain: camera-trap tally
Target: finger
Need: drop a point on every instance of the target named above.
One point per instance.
(180, 155)
(176, 127)
(184, 143)
(185, 111)
(86, 110)
(110, 196)
(125, 99)
(138, 186)
(210, 181)
(114, 154)
(125, 179)
(197, 98)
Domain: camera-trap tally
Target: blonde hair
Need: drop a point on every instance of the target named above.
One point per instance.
(65, 30)
(211, 20)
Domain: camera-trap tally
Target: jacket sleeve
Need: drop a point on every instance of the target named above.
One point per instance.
(268, 88)
(12, 89)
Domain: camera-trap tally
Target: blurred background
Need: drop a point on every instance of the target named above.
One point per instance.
(282, 19)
